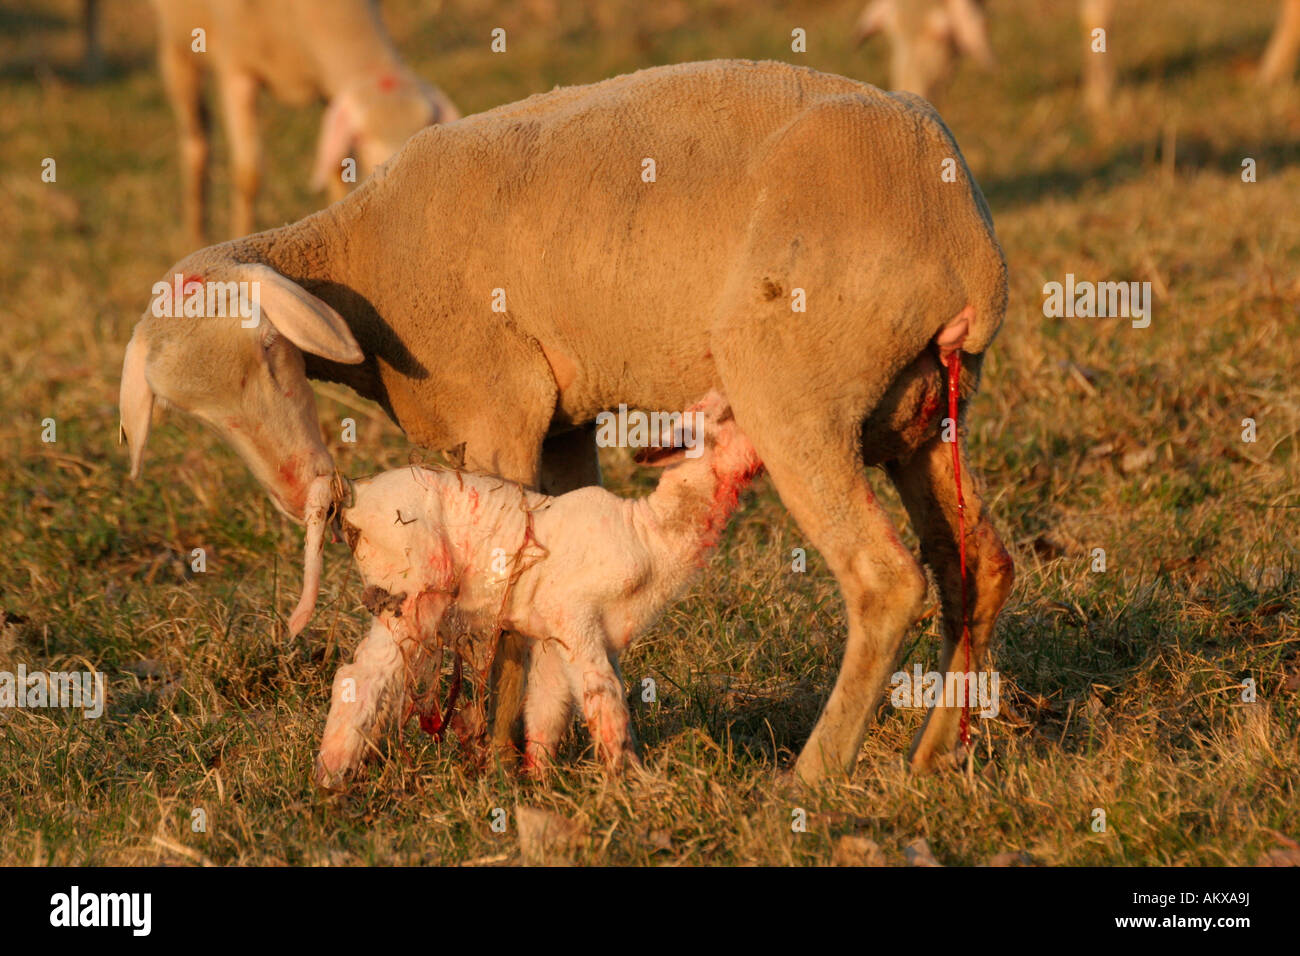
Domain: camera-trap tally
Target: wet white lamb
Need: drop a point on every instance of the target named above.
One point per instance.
(452, 558)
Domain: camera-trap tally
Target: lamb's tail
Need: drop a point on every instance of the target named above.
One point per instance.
(320, 495)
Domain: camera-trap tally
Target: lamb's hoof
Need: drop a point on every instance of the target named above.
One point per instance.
(330, 781)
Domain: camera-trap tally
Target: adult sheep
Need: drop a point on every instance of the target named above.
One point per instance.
(774, 188)
(299, 50)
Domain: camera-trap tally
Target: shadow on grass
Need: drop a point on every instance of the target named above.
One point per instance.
(1131, 162)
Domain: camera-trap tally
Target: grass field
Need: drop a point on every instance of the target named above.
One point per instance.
(1121, 690)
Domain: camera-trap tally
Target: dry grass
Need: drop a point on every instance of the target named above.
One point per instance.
(1121, 690)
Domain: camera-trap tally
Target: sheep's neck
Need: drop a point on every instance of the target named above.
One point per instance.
(314, 253)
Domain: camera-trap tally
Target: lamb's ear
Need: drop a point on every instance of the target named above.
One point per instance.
(135, 400)
(300, 317)
(874, 18)
(338, 131)
(970, 29)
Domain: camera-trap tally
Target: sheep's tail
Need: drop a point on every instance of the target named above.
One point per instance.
(320, 495)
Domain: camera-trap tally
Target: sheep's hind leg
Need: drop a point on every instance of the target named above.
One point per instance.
(927, 486)
(810, 448)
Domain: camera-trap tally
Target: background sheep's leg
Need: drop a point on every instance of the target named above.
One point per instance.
(239, 110)
(927, 487)
(1284, 46)
(1098, 68)
(548, 706)
(811, 452)
(182, 82)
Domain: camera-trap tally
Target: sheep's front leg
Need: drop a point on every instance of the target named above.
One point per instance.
(368, 694)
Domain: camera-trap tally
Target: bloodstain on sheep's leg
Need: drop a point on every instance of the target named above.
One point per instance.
(954, 383)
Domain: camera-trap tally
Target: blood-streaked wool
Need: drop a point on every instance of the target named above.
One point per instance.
(580, 575)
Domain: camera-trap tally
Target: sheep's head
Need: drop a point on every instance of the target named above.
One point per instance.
(373, 119)
(227, 351)
(928, 37)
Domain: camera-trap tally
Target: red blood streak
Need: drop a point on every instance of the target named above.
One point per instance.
(190, 280)
(726, 495)
(432, 721)
(954, 380)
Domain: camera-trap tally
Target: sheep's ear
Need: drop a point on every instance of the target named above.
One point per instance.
(338, 131)
(302, 318)
(970, 29)
(874, 18)
(135, 400)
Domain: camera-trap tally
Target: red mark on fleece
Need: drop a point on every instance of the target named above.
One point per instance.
(296, 491)
(442, 570)
(931, 406)
(727, 486)
(954, 381)
(189, 281)
(388, 82)
(432, 721)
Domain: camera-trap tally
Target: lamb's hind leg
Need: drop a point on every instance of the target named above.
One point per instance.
(811, 451)
(548, 705)
(926, 483)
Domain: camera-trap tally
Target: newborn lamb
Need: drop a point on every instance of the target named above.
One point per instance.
(449, 559)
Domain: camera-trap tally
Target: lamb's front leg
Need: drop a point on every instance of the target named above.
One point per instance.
(368, 695)
(595, 682)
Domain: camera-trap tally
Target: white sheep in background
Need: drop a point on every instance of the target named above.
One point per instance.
(581, 574)
(927, 37)
(300, 50)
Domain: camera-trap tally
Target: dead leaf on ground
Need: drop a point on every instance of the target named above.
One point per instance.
(917, 853)
(855, 850)
(545, 837)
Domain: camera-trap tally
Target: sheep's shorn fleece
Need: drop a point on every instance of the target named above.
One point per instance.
(300, 50)
(580, 575)
(775, 188)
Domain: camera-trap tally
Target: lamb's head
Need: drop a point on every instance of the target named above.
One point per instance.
(928, 37)
(705, 436)
(373, 118)
(221, 341)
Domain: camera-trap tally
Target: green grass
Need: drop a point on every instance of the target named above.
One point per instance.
(1121, 690)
